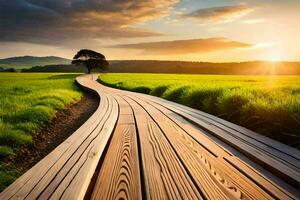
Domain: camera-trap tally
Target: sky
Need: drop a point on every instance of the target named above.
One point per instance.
(192, 30)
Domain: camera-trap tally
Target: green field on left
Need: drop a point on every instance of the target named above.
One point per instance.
(27, 101)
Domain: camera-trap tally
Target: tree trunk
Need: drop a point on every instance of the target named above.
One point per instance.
(88, 67)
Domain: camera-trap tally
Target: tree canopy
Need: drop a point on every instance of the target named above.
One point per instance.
(90, 59)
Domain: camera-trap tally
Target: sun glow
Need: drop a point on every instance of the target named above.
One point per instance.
(275, 56)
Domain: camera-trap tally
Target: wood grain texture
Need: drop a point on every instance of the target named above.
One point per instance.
(76, 186)
(285, 166)
(55, 176)
(119, 177)
(270, 183)
(284, 152)
(216, 179)
(263, 178)
(160, 162)
(287, 150)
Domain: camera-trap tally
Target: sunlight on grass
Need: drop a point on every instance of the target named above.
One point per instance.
(269, 105)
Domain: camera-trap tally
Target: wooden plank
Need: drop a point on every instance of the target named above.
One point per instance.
(277, 148)
(289, 151)
(278, 166)
(119, 176)
(253, 141)
(126, 119)
(37, 172)
(48, 180)
(262, 177)
(215, 179)
(160, 162)
(196, 133)
(284, 150)
(277, 188)
(76, 182)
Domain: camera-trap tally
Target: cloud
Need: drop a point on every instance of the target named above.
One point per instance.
(186, 46)
(57, 21)
(254, 21)
(220, 14)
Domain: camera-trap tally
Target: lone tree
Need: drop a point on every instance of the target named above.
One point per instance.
(91, 59)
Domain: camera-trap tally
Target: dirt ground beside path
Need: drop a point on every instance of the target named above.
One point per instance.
(54, 133)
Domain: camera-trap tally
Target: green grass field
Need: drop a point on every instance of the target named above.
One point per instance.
(27, 101)
(269, 105)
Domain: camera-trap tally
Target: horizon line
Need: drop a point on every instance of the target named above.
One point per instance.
(216, 62)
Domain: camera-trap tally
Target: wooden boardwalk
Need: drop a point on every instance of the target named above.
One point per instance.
(137, 146)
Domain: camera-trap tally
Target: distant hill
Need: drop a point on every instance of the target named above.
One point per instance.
(56, 68)
(30, 61)
(149, 66)
(185, 67)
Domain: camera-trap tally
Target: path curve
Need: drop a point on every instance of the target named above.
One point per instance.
(137, 146)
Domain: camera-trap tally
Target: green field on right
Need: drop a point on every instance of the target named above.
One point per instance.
(269, 105)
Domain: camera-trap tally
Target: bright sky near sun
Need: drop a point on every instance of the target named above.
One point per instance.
(197, 30)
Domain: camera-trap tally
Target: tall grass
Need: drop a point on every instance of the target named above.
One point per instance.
(27, 101)
(269, 105)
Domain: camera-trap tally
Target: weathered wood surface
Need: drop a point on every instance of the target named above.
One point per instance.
(136, 146)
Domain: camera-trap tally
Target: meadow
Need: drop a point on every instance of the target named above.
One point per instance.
(28, 101)
(269, 105)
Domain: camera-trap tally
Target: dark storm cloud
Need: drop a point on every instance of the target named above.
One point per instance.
(56, 21)
(186, 46)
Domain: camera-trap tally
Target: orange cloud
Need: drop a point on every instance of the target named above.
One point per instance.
(186, 46)
(217, 14)
(253, 21)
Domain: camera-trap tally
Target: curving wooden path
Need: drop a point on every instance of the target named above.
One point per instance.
(137, 146)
